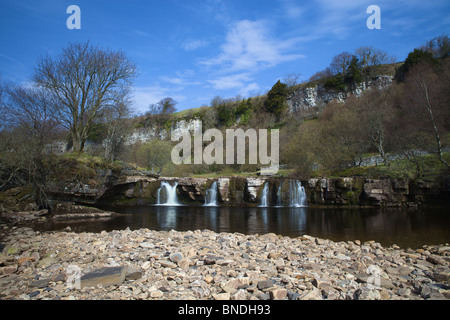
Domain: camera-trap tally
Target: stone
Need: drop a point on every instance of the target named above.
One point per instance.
(442, 250)
(25, 261)
(442, 274)
(167, 264)
(384, 283)
(240, 294)
(46, 262)
(8, 269)
(211, 259)
(12, 251)
(278, 294)
(108, 276)
(183, 263)
(222, 296)
(232, 285)
(265, 284)
(133, 274)
(3, 259)
(175, 257)
(292, 295)
(314, 294)
(156, 294)
(146, 265)
(274, 255)
(42, 283)
(147, 245)
(366, 293)
(34, 294)
(435, 260)
(320, 283)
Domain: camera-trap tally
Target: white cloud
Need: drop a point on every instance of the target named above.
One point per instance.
(248, 47)
(191, 45)
(231, 81)
(181, 78)
(292, 9)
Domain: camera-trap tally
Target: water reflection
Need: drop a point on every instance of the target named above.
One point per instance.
(409, 228)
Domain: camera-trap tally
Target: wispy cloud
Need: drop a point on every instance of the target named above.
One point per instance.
(292, 9)
(191, 45)
(140, 33)
(181, 78)
(231, 81)
(11, 59)
(248, 47)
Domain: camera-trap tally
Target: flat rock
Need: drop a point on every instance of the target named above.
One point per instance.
(167, 264)
(109, 276)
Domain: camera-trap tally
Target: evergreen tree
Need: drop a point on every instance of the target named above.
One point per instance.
(413, 59)
(353, 75)
(276, 99)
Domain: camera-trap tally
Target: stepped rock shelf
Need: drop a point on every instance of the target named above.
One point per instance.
(241, 191)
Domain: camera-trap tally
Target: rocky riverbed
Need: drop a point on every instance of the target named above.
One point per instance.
(201, 264)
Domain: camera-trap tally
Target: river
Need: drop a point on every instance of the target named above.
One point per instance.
(408, 228)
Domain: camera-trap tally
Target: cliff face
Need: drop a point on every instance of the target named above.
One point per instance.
(239, 191)
(309, 101)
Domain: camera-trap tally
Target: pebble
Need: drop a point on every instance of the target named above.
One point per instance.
(202, 264)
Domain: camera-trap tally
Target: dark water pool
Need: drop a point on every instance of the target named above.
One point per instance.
(404, 227)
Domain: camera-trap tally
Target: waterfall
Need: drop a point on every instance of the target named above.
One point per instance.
(279, 203)
(265, 195)
(170, 194)
(297, 194)
(211, 195)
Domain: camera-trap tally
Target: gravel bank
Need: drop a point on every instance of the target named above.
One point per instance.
(201, 264)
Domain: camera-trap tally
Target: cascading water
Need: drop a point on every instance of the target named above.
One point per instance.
(265, 195)
(169, 196)
(279, 203)
(211, 195)
(297, 194)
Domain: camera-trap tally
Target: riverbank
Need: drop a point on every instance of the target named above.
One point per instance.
(193, 265)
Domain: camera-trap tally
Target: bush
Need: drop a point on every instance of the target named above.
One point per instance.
(335, 83)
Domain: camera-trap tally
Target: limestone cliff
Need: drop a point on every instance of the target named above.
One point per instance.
(309, 101)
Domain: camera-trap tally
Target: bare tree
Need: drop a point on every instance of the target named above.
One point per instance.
(375, 109)
(27, 126)
(83, 80)
(115, 118)
(427, 102)
(341, 62)
(439, 47)
(369, 57)
(30, 109)
(291, 79)
(159, 113)
(321, 74)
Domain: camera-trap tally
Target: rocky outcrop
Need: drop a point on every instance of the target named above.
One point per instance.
(236, 191)
(309, 101)
(130, 183)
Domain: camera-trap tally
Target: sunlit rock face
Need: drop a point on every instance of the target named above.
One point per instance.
(308, 102)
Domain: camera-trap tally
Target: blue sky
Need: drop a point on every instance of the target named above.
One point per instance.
(194, 50)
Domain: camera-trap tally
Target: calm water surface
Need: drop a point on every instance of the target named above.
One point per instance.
(404, 227)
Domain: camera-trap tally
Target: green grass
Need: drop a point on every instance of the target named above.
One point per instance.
(431, 168)
(184, 113)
